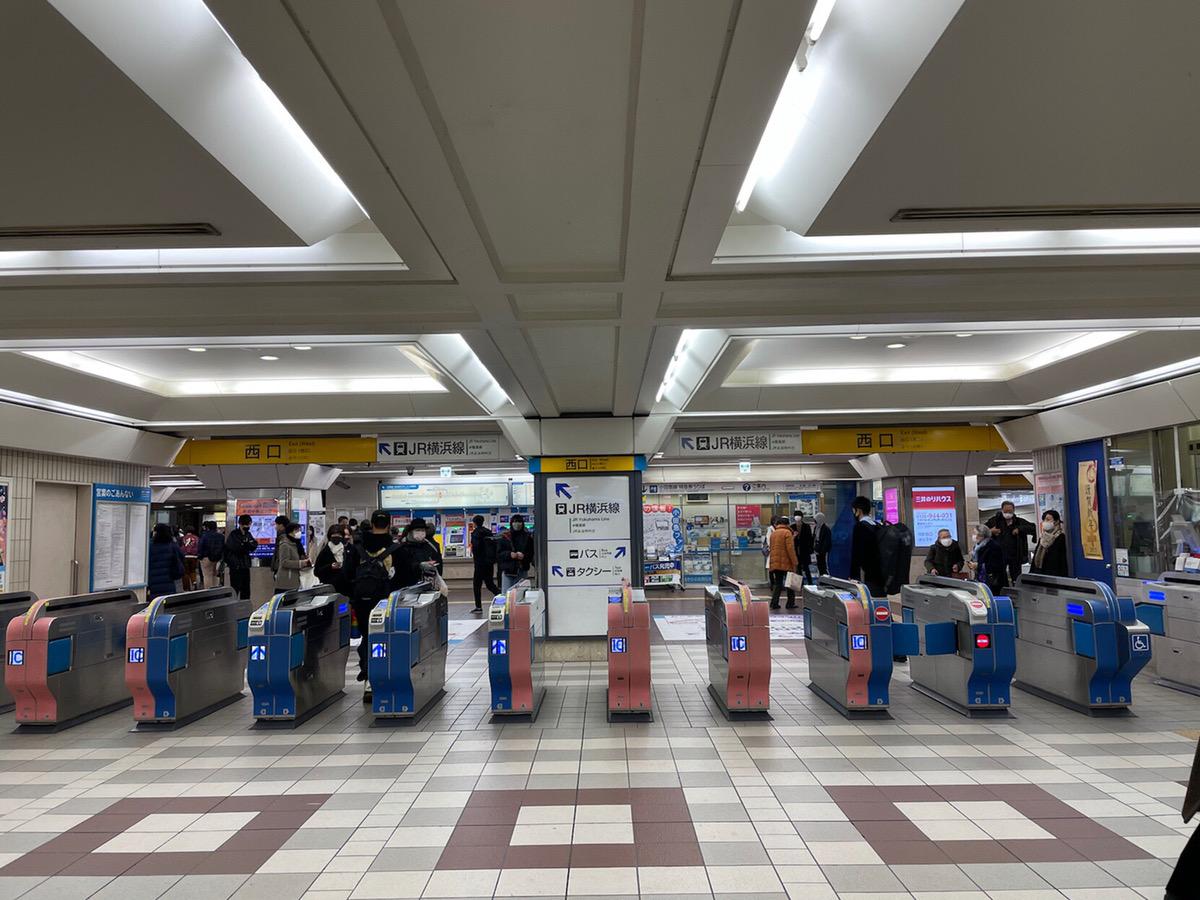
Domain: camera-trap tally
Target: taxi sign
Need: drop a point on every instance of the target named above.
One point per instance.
(882, 613)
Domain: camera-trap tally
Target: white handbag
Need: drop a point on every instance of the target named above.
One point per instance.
(794, 581)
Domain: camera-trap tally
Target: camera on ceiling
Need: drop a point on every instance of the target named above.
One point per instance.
(411, 470)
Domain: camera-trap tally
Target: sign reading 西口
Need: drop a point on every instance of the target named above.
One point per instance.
(726, 443)
(437, 448)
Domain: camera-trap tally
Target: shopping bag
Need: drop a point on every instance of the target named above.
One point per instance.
(794, 581)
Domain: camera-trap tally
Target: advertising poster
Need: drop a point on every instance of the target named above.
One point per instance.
(891, 504)
(662, 531)
(3, 536)
(746, 515)
(1048, 488)
(933, 509)
(1089, 511)
(262, 510)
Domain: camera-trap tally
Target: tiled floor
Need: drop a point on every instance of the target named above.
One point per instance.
(1050, 804)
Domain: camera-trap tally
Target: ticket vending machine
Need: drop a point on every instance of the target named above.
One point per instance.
(628, 695)
(406, 654)
(516, 652)
(13, 605)
(1171, 609)
(738, 635)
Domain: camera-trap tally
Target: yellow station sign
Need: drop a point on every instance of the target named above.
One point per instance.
(276, 451)
(575, 464)
(903, 439)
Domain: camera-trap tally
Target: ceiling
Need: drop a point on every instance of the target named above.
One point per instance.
(537, 199)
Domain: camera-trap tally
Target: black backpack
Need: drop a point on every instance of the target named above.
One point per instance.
(212, 546)
(895, 554)
(371, 578)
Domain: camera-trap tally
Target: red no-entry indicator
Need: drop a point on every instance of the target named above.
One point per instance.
(983, 641)
(882, 613)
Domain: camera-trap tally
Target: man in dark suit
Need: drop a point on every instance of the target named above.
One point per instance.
(804, 547)
(865, 564)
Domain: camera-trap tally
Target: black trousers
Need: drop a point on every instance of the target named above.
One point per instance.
(362, 615)
(239, 580)
(1014, 569)
(484, 575)
(777, 579)
(1187, 871)
(805, 569)
(823, 563)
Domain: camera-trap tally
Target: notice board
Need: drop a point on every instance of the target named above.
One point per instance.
(120, 536)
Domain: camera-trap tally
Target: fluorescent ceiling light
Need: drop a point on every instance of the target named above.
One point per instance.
(198, 349)
(965, 334)
(301, 347)
(1149, 376)
(820, 17)
(269, 358)
(896, 346)
(674, 365)
(83, 412)
(859, 337)
(880, 375)
(89, 366)
(787, 118)
(1082, 344)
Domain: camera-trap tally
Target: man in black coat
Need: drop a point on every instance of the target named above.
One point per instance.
(1012, 533)
(516, 553)
(238, 549)
(865, 564)
(822, 543)
(483, 555)
(804, 547)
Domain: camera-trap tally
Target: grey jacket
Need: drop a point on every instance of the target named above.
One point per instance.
(287, 572)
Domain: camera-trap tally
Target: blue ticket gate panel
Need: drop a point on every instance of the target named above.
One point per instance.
(13, 605)
(299, 644)
(65, 658)
(516, 651)
(186, 655)
(967, 643)
(1170, 607)
(850, 640)
(1078, 644)
(407, 642)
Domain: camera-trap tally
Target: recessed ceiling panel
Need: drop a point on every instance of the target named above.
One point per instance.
(535, 98)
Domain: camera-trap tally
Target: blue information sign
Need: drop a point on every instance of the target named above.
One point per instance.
(499, 647)
(618, 645)
(858, 642)
(137, 654)
(737, 642)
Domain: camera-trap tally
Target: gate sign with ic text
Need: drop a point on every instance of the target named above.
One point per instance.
(440, 448)
(725, 443)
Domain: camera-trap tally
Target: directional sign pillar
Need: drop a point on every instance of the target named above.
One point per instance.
(589, 530)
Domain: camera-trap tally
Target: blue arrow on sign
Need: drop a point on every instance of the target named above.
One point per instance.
(556, 570)
(560, 490)
(385, 448)
(620, 552)
(258, 653)
(687, 443)
(379, 651)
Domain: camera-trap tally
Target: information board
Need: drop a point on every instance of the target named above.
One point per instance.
(933, 509)
(589, 550)
(522, 493)
(4, 489)
(440, 496)
(120, 536)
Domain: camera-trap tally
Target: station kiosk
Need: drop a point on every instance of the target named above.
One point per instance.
(967, 644)
(850, 640)
(628, 695)
(299, 644)
(65, 658)
(1078, 644)
(407, 642)
(1171, 609)
(738, 634)
(516, 651)
(13, 605)
(186, 656)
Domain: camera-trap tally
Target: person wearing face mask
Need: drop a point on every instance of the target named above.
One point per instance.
(369, 567)
(1012, 533)
(238, 549)
(1050, 556)
(987, 560)
(945, 557)
(865, 563)
(416, 556)
(822, 543)
(290, 560)
(330, 563)
(515, 553)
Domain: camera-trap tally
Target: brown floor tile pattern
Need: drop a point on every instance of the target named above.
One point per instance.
(899, 841)
(73, 853)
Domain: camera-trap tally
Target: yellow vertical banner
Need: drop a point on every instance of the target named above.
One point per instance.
(1089, 511)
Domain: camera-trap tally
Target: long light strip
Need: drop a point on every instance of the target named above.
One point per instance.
(674, 365)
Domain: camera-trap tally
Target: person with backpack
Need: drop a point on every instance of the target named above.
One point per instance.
(865, 564)
(516, 553)
(190, 544)
(239, 547)
(210, 550)
(417, 556)
(369, 571)
(483, 554)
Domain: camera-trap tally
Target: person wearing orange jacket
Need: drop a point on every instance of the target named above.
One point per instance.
(782, 559)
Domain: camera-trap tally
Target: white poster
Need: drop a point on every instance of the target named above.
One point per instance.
(108, 560)
(138, 553)
(588, 549)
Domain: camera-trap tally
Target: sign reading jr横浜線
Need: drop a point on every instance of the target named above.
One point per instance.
(759, 443)
(440, 448)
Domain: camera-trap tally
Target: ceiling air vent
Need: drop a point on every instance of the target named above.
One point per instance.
(947, 214)
(171, 229)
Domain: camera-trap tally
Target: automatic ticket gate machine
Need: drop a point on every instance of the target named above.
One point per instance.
(13, 605)
(516, 651)
(850, 639)
(628, 694)
(738, 634)
(1078, 644)
(407, 641)
(967, 644)
(1171, 609)
(299, 644)
(186, 656)
(65, 658)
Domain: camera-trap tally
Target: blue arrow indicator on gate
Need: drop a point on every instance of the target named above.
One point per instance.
(556, 570)
(379, 651)
(258, 653)
(620, 552)
(687, 443)
(560, 490)
(385, 448)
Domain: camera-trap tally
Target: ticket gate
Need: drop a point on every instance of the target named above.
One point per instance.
(1171, 609)
(967, 644)
(186, 656)
(13, 605)
(65, 658)
(1078, 644)
(407, 642)
(299, 644)
(850, 640)
(628, 694)
(516, 651)
(738, 634)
